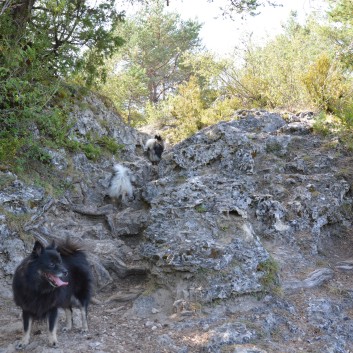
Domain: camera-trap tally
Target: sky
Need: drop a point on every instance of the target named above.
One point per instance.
(221, 35)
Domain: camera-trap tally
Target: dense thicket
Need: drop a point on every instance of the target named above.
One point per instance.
(42, 44)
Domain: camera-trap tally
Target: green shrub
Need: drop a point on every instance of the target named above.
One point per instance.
(91, 151)
(33, 151)
(9, 147)
(270, 269)
(325, 83)
(345, 114)
(109, 144)
(188, 111)
(321, 125)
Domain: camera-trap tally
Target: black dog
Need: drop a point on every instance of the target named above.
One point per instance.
(154, 149)
(48, 279)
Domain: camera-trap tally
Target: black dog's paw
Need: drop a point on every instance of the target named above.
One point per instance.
(53, 344)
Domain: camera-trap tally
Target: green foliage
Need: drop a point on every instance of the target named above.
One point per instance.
(297, 70)
(16, 222)
(200, 208)
(109, 144)
(273, 147)
(9, 147)
(54, 34)
(40, 46)
(190, 110)
(269, 78)
(94, 147)
(345, 114)
(341, 10)
(325, 83)
(157, 41)
(33, 150)
(186, 108)
(221, 110)
(127, 88)
(322, 125)
(150, 66)
(159, 75)
(270, 269)
(25, 110)
(91, 151)
(67, 27)
(182, 112)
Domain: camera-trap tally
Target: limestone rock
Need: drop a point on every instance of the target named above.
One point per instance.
(243, 231)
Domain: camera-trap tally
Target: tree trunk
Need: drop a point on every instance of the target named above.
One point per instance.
(21, 13)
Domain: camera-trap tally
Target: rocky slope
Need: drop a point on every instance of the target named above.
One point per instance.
(239, 241)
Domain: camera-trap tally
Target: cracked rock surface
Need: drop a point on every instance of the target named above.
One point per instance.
(240, 240)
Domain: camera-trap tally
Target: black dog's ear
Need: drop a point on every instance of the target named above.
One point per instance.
(38, 248)
(53, 245)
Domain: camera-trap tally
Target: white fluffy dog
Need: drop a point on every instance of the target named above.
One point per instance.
(120, 183)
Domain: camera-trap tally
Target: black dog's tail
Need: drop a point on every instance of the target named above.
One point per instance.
(74, 256)
(70, 247)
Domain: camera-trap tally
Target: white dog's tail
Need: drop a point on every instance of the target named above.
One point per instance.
(120, 183)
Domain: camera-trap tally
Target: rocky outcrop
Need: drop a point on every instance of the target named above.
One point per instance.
(242, 231)
(233, 186)
(83, 211)
(92, 115)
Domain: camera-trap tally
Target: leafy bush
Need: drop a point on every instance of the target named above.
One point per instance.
(39, 49)
(25, 93)
(190, 110)
(109, 144)
(9, 147)
(322, 125)
(91, 151)
(297, 70)
(346, 114)
(325, 83)
(270, 269)
(220, 110)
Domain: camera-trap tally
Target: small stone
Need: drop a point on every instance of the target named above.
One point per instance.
(149, 323)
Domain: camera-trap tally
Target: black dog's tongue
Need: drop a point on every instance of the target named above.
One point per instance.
(58, 282)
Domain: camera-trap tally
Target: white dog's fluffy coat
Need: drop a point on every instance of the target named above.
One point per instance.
(120, 183)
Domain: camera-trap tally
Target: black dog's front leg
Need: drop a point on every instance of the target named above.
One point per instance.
(68, 313)
(27, 326)
(52, 325)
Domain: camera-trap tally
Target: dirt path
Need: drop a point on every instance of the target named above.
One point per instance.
(113, 327)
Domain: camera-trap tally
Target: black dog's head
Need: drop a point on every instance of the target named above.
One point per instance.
(49, 264)
(158, 138)
(158, 150)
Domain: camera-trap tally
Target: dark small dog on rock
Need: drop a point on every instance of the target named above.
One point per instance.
(154, 148)
(52, 277)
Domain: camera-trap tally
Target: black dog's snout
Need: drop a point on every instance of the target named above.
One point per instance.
(64, 271)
